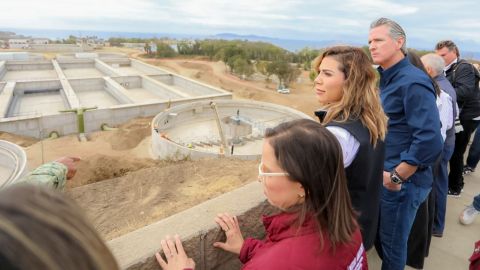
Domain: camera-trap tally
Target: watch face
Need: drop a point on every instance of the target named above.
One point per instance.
(395, 179)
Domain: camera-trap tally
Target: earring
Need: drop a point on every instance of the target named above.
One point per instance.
(301, 195)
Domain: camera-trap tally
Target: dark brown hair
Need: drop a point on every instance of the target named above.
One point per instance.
(42, 229)
(450, 45)
(312, 156)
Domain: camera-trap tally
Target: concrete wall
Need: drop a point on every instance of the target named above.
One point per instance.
(117, 91)
(146, 68)
(164, 78)
(129, 81)
(29, 65)
(3, 69)
(87, 84)
(6, 97)
(198, 231)
(80, 63)
(194, 88)
(259, 115)
(122, 113)
(162, 89)
(105, 68)
(119, 61)
(20, 56)
(40, 126)
(14, 159)
(60, 47)
(34, 86)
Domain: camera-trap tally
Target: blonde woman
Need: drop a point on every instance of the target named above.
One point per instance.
(351, 109)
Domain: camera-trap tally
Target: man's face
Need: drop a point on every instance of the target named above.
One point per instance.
(382, 46)
(447, 55)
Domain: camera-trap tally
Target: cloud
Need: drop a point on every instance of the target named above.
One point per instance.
(294, 19)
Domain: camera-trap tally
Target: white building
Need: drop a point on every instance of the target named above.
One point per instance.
(40, 41)
(20, 43)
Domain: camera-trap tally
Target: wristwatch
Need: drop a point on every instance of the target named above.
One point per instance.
(396, 178)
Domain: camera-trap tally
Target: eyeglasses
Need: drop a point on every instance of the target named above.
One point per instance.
(262, 175)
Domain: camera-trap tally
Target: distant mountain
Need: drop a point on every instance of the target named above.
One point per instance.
(288, 44)
(468, 48)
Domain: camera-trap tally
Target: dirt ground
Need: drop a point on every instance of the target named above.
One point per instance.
(302, 96)
(118, 184)
(126, 203)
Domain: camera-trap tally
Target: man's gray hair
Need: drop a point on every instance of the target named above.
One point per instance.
(435, 62)
(396, 31)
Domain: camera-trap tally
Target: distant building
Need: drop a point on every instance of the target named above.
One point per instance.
(23, 43)
(153, 47)
(134, 45)
(40, 41)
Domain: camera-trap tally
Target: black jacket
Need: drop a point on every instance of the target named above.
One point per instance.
(464, 78)
(365, 179)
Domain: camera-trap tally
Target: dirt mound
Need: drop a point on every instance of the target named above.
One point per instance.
(194, 65)
(124, 204)
(101, 167)
(129, 135)
(23, 141)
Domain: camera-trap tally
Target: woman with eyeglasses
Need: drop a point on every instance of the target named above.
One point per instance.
(351, 110)
(302, 174)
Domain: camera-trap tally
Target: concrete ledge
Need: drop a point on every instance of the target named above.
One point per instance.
(147, 68)
(3, 69)
(69, 94)
(157, 86)
(117, 91)
(196, 227)
(6, 97)
(105, 68)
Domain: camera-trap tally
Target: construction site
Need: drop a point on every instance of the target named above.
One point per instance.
(164, 147)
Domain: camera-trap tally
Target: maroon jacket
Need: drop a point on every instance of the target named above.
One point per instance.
(287, 247)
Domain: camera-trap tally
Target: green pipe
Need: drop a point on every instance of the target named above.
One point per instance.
(105, 127)
(80, 119)
(53, 135)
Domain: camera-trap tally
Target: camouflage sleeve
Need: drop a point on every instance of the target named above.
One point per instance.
(52, 175)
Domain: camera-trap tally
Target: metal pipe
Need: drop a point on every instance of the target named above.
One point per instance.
(223, 146)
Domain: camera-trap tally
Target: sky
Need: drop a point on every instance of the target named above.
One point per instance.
(424, 21)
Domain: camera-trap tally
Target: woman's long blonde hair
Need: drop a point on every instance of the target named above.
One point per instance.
(360, 99)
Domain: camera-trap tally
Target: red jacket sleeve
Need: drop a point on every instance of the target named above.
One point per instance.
(249, 248)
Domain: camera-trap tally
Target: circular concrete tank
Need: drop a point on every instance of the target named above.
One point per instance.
(13, 163)
(192, 130)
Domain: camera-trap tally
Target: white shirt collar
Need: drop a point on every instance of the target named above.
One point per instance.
(450, 65)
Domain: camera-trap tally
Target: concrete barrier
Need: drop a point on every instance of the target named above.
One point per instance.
(196, 227)
(105, 68)
(6, 97)
(147, 68)
(13, 163)
(173, 135)
(119, 114)
(40, 126)
(3, 69)
(117, 91)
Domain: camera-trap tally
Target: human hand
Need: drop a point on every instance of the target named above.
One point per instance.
(70, 163)
(230, 226)
(387, 182)
(177, 259)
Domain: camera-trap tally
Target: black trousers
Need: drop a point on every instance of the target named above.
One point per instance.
(455, 178)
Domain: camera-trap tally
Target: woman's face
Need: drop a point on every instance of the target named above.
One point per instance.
(279, 190)
(329, 82)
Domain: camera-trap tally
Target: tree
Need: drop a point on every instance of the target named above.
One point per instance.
(164, 50)
(285, 72)
(242, 66)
